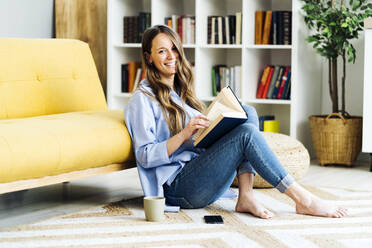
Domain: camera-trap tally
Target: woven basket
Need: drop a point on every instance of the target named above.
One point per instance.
(336, 140)
(290, 152)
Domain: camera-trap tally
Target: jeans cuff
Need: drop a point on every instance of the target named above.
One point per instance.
(285, 183)
(245, 167)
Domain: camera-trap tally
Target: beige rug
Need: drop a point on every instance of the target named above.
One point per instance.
(122, 224)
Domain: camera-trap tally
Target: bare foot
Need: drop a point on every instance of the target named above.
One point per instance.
(248, 204)
(318, 207)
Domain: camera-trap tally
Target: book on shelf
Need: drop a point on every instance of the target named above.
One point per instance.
(268, 81)
(277, 83)
(273, 27)
(184, 25)
(223, 76)
(128, 76)
(267, 27)
(284, 79)
(224, 113)
(259, 19)
(262, 82)
(134, 26)
(224, 29)
(274, 82)
(124, 78)
(238, 28)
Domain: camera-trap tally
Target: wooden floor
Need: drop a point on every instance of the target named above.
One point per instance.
(45, 202)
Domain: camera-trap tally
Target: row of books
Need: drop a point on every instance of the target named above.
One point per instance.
(131, 75)
(275, 83)
(223, 76)
(134, 26)
(273, 27)
(184, 25)
(225, 29)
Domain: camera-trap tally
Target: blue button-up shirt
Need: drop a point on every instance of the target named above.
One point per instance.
(149, 131)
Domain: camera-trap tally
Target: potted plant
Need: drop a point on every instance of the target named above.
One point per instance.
(334, 24)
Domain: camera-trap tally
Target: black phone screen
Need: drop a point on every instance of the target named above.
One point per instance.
(213, 219)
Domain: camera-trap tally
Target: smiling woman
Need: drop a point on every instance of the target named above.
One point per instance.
(164, 56)
(164, 114)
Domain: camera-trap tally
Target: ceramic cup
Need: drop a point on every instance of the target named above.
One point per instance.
(154, 208)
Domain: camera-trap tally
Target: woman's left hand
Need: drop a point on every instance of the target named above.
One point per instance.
(197, 122)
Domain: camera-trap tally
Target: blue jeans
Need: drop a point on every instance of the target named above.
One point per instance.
(205, 178)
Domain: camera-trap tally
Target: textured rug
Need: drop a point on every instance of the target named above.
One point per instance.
(122, 224)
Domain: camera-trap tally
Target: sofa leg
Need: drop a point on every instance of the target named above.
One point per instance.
(65, 191)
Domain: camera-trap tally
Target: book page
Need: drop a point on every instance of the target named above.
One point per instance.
(225, 102)
(217, 109)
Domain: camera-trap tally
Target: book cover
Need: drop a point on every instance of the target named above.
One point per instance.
(224, 113)
(238, 28)
(214, 83)
(284, 80)
(262, 82)
(258, 26)
(124, 78)
(286, 85)
(268, 81)
(132, 69)
(277, 83)
(267, 28)
(272, 82)
(274, 28)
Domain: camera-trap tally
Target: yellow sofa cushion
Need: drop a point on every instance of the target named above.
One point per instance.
(47, 76)
(53, 144)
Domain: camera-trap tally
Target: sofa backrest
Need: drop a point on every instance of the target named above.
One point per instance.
(47, 76)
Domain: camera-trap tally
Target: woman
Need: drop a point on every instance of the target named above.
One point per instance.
(162, 116)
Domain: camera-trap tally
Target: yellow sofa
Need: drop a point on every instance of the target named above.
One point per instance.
(54, 121)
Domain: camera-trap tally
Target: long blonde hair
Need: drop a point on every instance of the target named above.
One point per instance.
(183, 80)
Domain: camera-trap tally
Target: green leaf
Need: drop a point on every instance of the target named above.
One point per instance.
(356, 5)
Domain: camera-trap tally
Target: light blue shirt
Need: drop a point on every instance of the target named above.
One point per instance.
(149, 132)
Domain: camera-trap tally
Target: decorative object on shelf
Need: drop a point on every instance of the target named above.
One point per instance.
(290, 152)
(85, 20)
(334, 25)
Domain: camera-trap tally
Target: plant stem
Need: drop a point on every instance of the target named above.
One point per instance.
(335, 88)
(330, 80)
(343, 82)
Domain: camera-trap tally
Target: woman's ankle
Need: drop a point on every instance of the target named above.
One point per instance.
(299, 195)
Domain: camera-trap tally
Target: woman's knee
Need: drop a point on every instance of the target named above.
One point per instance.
(247, 131)
(249, 110)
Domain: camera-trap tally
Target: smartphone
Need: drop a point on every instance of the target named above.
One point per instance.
(213, 219)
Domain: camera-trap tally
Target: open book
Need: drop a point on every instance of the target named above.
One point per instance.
(224, 113)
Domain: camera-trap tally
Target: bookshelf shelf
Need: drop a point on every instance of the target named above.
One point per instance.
(128, 45)
(222, 46)
(269, 46)
(305, 64)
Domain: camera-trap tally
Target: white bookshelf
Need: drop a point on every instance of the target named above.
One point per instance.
(305, 64)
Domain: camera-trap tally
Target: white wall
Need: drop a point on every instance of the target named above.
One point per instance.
(27, 18)
(354, 85)
(354, 82)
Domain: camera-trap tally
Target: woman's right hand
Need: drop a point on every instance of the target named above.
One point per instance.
(197, 122)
